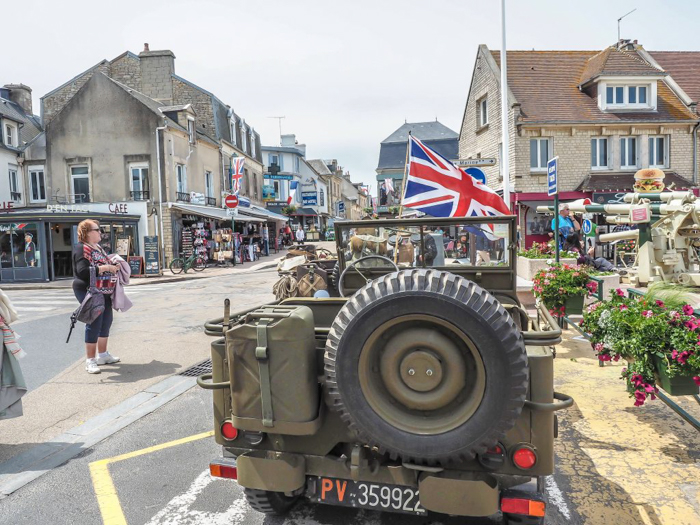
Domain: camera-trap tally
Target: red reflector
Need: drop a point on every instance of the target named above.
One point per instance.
(229, 431)
(523, 506)
(495, 450)
(524, 458)
(223, 471)
(515, 506)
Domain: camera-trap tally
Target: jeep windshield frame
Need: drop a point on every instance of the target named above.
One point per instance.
(480, 249)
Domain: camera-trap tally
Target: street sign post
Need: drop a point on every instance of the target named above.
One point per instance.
(553, 189)
(465, 163)
(231, 201)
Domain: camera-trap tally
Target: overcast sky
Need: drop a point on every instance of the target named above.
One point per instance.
(345, 74)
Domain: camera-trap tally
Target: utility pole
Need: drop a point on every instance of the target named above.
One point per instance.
(618, 22)
(279, 119)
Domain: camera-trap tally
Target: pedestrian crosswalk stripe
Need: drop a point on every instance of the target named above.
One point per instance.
(34, 308)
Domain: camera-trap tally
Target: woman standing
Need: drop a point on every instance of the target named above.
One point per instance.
(88, 253)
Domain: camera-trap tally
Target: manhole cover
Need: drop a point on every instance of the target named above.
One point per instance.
(197, 370)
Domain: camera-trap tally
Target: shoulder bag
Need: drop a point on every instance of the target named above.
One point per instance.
(92, 306)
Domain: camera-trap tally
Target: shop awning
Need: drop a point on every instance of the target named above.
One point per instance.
(306, 212)
(211, 213)
(270, 214)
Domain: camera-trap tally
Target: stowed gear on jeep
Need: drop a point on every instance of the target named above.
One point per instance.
(425, 387)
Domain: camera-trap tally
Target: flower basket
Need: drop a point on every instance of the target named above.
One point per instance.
(574, 305)
(678, 385)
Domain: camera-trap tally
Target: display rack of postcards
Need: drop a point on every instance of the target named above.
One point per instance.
(200, 241)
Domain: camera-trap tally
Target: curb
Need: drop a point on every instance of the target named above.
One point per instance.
(24, 468)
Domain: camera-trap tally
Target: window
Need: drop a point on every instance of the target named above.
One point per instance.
(10, 135)
(296, 164)
(539, 154)
(599, 153)
(483, 112)
(246, 182)
(37, 190)
(626, 95)
(138, 180)
(181, 172)
(628, 152)
(20, 246)
(322, 200)
(233, 131)
(208, 184)
(255, 185)
(658, 157)
(252, 143)
(80, 181)
(274, 159)
(244, 143)
(15, 194)
(191, 130)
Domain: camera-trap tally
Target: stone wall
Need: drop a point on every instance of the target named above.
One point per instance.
(157, 69)
(55, 102)
(127, 70)
(183, 93)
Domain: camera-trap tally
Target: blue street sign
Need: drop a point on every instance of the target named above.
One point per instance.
(552, 186)
(477, 174)
(587, 226)
(279, 177)
(341, 207)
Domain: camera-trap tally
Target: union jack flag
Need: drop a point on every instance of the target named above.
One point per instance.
(437, 187)
(236, 174)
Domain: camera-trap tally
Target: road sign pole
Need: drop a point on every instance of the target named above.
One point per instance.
(556, 227)
(553, 190)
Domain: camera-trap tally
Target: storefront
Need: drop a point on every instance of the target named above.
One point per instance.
(36, 245)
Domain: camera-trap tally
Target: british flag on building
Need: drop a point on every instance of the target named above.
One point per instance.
(437, 187)
(236, 174)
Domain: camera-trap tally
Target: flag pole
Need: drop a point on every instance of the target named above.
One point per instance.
(403, 191)
(505, 157)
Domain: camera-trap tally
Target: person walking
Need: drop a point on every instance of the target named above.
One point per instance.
(266, 239)
(300, 235)
(87, 253)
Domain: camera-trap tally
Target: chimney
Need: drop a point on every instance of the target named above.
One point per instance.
(157, 69)
(20, 95)
(288, 141)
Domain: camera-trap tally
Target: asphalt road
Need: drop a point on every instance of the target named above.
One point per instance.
(172, 486)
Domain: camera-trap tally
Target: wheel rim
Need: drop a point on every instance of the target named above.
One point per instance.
(176, 266)
(421, 374)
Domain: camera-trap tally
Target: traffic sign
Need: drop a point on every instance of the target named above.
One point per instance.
(461, 163)
(477, 174)
(552, 186)
(587, 226)
(231, 201)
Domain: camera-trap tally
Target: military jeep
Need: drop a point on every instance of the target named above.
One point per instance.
(424, 388)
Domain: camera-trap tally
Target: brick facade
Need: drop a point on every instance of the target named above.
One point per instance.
(54, 102)
(183, 93)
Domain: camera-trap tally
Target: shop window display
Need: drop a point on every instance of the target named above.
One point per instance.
(19, 246)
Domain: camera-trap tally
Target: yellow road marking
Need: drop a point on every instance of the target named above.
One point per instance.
(107, 497)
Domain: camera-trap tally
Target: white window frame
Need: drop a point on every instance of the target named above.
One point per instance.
(35, 170)
(191, 130)
(181, 178)
(10, 133)
(598, 141)
(73, 177)
(542, 163)
(624, 146)
(144, 182)
(625, 102)
(297, 164)
(208, 184)
(483, 112)
(244, 142)
(653, 151)
(233, 131)
(12, 171)
(252, 142)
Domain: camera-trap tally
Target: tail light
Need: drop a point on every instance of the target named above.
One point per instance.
(493, 458)
(524, 458)
(219, 469)
(228, 431)
(523, 506)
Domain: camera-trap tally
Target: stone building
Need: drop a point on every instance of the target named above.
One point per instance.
(605, 114)
(392, 156)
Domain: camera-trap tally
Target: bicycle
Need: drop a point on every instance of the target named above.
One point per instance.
(193, 261)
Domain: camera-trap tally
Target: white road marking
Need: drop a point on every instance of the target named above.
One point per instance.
(34, 308)
(178, 511)
(555, 496)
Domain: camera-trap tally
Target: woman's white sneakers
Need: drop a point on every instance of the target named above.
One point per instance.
(91, 366)
(107, 359)
(101, 359)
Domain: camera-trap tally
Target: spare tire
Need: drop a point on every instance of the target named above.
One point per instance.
(426, 366)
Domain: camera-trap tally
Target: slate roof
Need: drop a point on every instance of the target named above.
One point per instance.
(546, 84)
(433, 130)
(319, 165)
(32, 125)
(625, 181)
(684, 67)
(613, 61)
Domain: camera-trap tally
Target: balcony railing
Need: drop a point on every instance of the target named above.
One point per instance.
(210, 201)
(140, 195)
(15, 196)
(183, 197)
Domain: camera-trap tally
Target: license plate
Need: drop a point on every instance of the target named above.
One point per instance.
(364, 495)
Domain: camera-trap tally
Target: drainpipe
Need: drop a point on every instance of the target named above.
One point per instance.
(160, 191)
(695, 154)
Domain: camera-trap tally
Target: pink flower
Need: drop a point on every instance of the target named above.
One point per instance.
(598, 347)
(674, 354)
(691, 324)
(648, 313)
(660, 304)
(623, 307)
(604, 357)
(546, 282)
(620, 292)
(688, 310)
(616, 358)
(576, 274)
(697, 380)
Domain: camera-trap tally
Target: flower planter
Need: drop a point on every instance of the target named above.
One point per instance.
(574, 305)
(677, 385)
(527, 268)
(609, 283)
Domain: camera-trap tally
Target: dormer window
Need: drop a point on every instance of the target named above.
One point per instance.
(614, 96)
(10, 134)
(232, 124)
(191, 130)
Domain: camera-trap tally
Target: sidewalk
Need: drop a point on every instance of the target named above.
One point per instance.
(168, 277)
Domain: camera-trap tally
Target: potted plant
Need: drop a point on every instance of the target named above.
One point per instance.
(563, 288)
(289, 210)
(609, 281)
(538, 257)
(659, 341)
